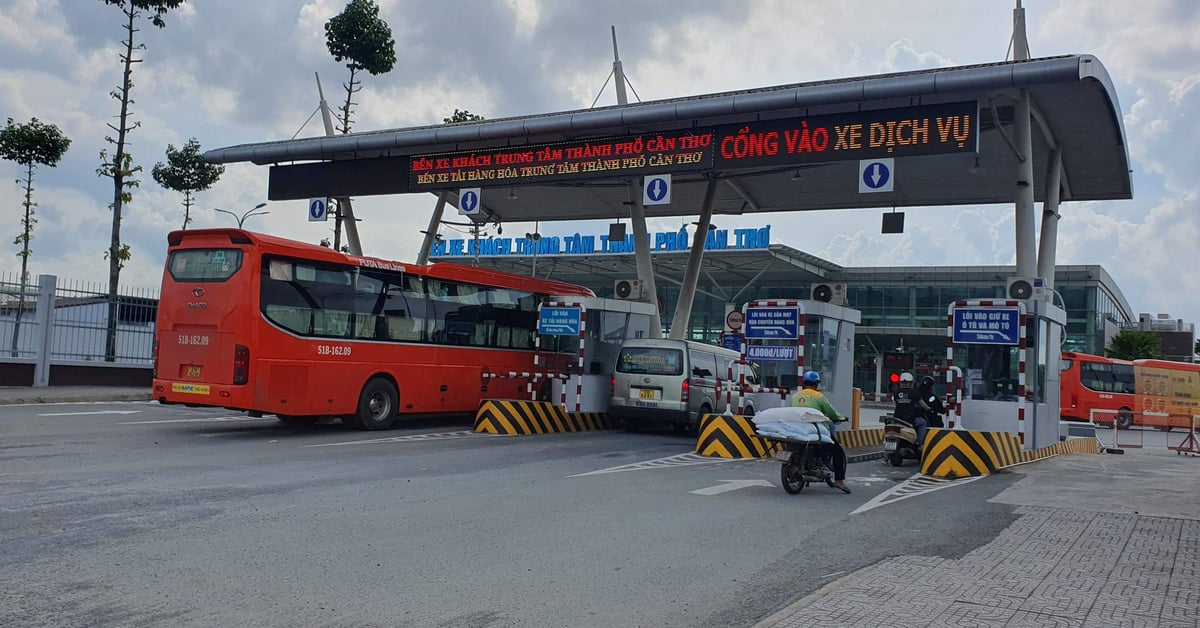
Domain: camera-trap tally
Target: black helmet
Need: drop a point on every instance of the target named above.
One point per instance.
(927, 381)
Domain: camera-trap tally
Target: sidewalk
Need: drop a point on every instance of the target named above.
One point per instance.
(1118, 548)
(71, 394)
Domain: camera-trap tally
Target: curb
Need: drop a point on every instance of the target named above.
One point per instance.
(31, 399)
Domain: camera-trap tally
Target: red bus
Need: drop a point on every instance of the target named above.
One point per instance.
(1168, 391)
(254, 322)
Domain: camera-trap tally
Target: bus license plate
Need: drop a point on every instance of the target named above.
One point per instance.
(193, 371)
(647, 393)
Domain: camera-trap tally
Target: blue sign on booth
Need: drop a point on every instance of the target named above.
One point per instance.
(781, 323)
(987, 325)
(559, 321)
(731, 341)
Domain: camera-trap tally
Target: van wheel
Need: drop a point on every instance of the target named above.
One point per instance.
(704, 409)
(377, 405)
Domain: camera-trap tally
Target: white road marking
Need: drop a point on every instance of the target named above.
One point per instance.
(408, 438)
(681, 460)
(916, 485)
(92, 413)
(209, 419)
(730, 485)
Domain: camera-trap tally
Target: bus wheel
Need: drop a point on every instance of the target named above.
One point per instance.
(377, 405)
(297, 421)
(1124, 419)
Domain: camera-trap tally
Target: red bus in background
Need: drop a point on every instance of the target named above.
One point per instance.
(254, 322)
(1168, 391)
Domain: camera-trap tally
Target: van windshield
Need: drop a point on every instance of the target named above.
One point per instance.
(650, 360)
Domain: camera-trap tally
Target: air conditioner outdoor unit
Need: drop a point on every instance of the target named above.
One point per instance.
(833, 293)
(627, 289)
(1025, 288)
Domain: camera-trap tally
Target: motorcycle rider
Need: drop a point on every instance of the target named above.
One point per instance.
(810, 397)
(909, 406)
(930, 402)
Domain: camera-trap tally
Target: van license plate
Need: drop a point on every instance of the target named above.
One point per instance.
(193, 371)
(647, 393)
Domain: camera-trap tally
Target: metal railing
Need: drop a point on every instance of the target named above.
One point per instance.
(64, 321)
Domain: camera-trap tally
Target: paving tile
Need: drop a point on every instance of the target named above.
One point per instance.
(961, 615)
(1180, 613)
(1132, 604)
(1102, 619)
(1022, 619)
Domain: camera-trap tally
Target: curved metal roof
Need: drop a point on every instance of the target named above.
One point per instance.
(1074, 102)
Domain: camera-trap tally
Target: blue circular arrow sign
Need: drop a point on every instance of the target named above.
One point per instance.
(876, 175)
(657, 189)
(470, 201)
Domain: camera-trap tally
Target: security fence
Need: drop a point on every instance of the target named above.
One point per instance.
(61, 321)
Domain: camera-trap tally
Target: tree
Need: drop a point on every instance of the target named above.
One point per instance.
(30, 145)
(120, 166)
(1132, 344)
(359, 37)
(187, 172)
(462, 116)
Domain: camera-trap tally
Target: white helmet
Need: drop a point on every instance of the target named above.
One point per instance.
(906, 377)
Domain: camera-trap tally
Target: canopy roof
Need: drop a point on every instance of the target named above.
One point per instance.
(1074, 103)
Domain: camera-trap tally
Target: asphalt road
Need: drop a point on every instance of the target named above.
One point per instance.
(140, 514)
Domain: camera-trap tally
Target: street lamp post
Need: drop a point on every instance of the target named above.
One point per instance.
(534, 237)
(241, 220)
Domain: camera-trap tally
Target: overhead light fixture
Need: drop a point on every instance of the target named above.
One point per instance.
(512, 194)
(976, 169)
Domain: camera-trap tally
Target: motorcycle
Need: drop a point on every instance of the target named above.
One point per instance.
(900, 441)
(804, 463)
(798, 432)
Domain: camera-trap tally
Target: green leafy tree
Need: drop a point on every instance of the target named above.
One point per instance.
(30, 145)
(358, 37)
(462, 116)
(187, 172)
(1131, 344)
(118, 165)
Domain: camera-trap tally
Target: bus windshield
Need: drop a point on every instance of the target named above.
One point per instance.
(204, 264)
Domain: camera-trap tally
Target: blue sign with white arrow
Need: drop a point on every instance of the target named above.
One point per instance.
(987, 325)
(657, 189)
(468, 201)
(875, 175)
(558, 321)
(318, 210)
(773, 323)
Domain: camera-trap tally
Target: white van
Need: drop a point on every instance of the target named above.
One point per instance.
(671, 382)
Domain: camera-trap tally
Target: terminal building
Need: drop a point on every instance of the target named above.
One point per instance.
(903, 308)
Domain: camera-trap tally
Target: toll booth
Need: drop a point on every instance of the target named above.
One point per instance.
(787, 338)
(1009, 354)
(592, 328)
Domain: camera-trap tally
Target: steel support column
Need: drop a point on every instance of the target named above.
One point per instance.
(641, 252)
(431, 232)
(691, 274)
(1048, 241)
(1026, 222)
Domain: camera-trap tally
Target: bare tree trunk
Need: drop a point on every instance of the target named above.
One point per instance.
(16, 337)
(119, 166)
(187, 207)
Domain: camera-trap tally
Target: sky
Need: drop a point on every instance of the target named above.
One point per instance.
(232, 72)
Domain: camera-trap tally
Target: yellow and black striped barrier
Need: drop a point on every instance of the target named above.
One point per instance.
(964, 453)
(725, 436)
(535, 417)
